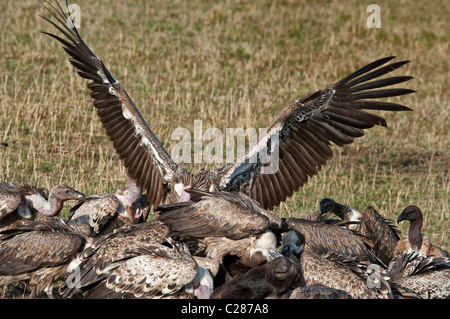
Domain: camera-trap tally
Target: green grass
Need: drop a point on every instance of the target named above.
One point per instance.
(231, 64)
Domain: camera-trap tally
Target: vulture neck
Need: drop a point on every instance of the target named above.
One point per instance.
(48, 208)
(134, 191)
(342, 212)
(414, 234)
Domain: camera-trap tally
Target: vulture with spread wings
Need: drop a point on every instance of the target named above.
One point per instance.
(294, 148)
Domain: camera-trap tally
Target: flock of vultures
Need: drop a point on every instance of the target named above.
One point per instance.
(213, 234)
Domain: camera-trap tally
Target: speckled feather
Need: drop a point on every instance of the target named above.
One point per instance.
(111, 247)
(318, 270)
(36, 247)
(427, 277)
(217, 214)
(319, 292)
(155, 274)
(97, 210)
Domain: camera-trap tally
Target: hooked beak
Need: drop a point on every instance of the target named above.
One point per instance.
(80, 196)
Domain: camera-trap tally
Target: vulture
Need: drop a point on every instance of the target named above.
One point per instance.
(380, 231)
(271, 280)
(323, 239)
(94, 263)
(295, 146)
(416, 241)
(224, 223)
(318, 292)
(155, 271)
(106, 212)
(334, 271)
(40, 252)
(21, 202)
(418, 276)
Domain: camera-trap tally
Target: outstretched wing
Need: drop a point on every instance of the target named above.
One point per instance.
(298, 142)
(144, 157)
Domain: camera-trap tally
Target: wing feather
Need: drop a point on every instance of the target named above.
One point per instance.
(217, 214)
(132, 138)
(308, 128)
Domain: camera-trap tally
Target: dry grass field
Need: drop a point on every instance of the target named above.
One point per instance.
(231, 64)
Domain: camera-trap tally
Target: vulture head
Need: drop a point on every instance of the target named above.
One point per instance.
(410, 213)
(64, 193)
(56, 198)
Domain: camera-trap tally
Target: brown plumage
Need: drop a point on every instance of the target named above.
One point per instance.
(39, 252)
(271, 280)
(106, 212)
(94, 262)
(417, 276)
(416, 241)
(294, 148)
(14, 207)
(154, 271)
(21, 202)
(380, 231)
(325, 239)
(335, 271)
(224, 223)
(319, 292)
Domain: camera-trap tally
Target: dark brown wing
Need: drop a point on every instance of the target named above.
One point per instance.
(298, 142)
(417, 276)
(110, 248)
(219, 214)
(412, 264)
(383, 236)
(37, 244)
(325, 239)
(381, 232)
(144, 157)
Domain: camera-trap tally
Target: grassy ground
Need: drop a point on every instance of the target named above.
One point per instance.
(231, 64)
